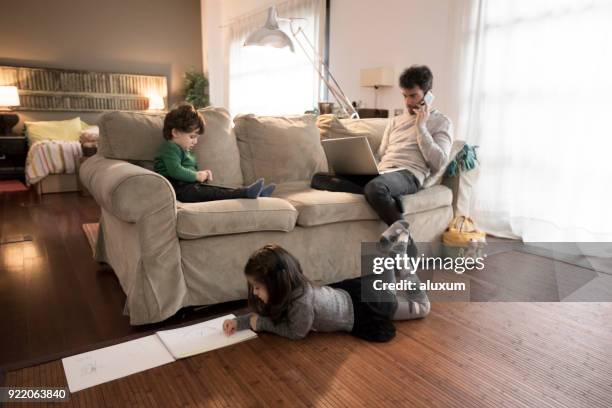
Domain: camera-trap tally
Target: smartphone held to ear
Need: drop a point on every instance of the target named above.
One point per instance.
(428, 99)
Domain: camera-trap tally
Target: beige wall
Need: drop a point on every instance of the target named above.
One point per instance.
(156, 37)
(395, 34)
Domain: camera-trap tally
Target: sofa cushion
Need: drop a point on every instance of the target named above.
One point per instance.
(318, 207)
(217, 149)
(427, 199)
(279, 149)
(130, 135)
(197, 220)
(331, 127)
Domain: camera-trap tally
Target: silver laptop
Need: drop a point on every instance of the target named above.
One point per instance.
(351, 156)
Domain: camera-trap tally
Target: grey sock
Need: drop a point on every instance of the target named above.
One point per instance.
(267, 190)
(395, 238)
(254, 190)
(411, 306)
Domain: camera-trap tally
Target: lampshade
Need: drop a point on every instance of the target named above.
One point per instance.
(270, 34)
(9, 96)
(377, 77)
(156, 102)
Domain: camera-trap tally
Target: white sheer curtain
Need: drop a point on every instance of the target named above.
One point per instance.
(272, 81)
(536, 80)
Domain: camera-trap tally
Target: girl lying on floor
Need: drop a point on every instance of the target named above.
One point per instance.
(285, 302)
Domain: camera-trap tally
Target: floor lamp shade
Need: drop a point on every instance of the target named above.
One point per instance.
(270, 35)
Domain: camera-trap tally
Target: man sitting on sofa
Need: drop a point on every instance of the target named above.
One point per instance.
(416, 143)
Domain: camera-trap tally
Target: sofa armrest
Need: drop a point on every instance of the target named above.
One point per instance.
(138, 236)
(127, 191)
(462, 186)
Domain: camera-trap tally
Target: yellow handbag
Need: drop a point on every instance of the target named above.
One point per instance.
(461, 231)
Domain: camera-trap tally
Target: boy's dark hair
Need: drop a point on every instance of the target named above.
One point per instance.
(184, 118)
(282, 275)
(417, 75)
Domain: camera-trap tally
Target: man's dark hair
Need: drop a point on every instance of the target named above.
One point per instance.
(417, 75)
(184, 118)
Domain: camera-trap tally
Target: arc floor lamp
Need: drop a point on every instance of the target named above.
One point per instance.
(272, 36)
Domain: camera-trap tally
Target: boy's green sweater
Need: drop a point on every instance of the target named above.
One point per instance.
(174, 162)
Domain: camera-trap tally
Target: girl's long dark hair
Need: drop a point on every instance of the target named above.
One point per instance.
(282, 275)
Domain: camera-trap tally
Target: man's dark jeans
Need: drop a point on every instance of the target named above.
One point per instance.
(383, 192)
(199, 192)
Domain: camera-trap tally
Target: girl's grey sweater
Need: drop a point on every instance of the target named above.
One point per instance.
(320, 308)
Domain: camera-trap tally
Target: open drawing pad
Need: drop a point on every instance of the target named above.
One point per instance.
(110, 363)
(200, 338)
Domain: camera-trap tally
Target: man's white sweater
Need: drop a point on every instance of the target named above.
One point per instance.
(420, 149)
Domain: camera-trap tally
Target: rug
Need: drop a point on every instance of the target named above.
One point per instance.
(10, 186)
(91, 233)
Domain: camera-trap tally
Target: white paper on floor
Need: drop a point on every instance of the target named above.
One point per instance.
(114, 362)
(109, 363)
(200, 338)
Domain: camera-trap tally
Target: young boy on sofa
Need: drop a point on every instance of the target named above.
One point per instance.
(182, 127)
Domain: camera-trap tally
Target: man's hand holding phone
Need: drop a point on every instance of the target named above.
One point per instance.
(428, 99)
(422, 112)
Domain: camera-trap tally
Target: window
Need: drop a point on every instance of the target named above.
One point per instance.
(540, 114)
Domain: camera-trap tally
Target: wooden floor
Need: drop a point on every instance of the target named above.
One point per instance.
(462, 355)
(56, 301)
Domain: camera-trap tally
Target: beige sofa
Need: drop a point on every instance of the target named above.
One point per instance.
(168, 254)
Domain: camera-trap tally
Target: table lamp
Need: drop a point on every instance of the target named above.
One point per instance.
(156, 103)
(375, 78)
(9, 97)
